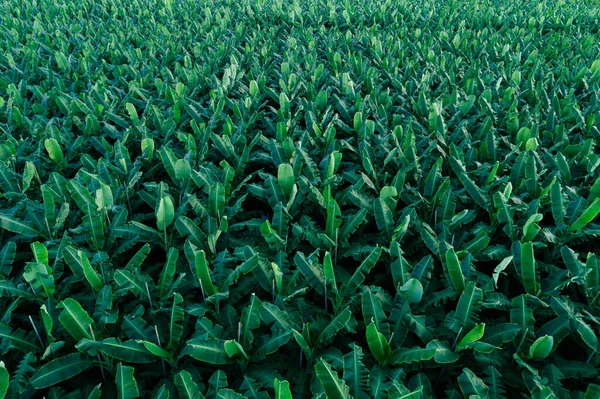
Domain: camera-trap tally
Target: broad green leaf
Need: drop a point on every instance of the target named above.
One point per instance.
(186, 386)
(75, 319)
(216, 200)
(282, 389)
(329, 272)
(334, 387)
(361, 273)
(201, 268)
(4, 378)
(126, 384)
(356, 374)
(334, 327)
(167, 273)
(285, 178)
(472, 336)
(333, 221)
(468, 306)
(383, 217)
(587, 216)
(541, 348)
(58, 370)
(208, 350)
(7, 257)
(54, 150)
(16, 226)
(127, 351)
(233, 348)
(470, 385)
(176, 320)
(165, 214)
(528, 272)
(79, 263)
(587, 335)
(454, 271)
(269, 344)
(378, 344)
(415, 354)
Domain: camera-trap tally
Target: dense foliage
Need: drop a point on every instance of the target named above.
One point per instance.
(329, 199)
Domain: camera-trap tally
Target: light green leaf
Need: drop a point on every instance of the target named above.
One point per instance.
(165, 214)
(54, 150)
(4, 377)
(587, 216)
(378, 344)
(282, 389)
(541, 348)
(472, 336)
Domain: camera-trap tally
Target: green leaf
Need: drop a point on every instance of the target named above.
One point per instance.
(383, 217)
(501, 333)
(58, 370)
(270, 344)
(79, 263)
(201, 269)
(531, 228)
(96, 392)
(186, 386)
(468, 306)
(18, 338)
(155, 349)
(334, 387)
(470, 384)
(412, 291)
(454, 271)
(334, 327)
(592, 391)
(285, 178)
(208, 350)
(167, 273)
(18, 227)
(126, 351)
(378, 344)
(216, 200)
(7, 257)
(361, 272)
(282, 389)
(528, 273)
(126, 384)
(75, 320)
(4, 377)
(356, 373)
(165, 214)
(415, 354)
(541, 348)
(176, 321)
(587, 335)
(233, 348)
(333, 221)
(54, 150)
(587, 216)
(329, 272)
(472, 336)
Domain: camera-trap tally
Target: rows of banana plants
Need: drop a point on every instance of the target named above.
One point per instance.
(304, 199)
